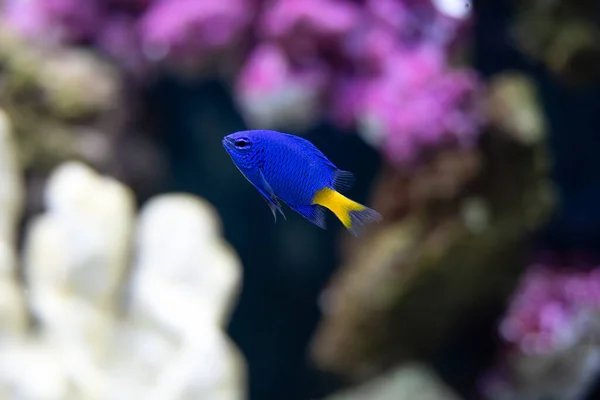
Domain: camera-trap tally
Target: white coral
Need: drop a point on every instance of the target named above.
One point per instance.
(154, 331)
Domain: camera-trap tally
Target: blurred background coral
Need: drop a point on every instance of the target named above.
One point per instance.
(137, 263)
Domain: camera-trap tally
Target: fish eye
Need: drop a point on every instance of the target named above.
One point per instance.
(242, 143)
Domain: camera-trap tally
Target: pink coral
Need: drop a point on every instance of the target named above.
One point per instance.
(65, 19)
(550, 335)
(270, 89)
(27, 17)
(417, 102)
(268, 70)
(390, 68)
(118, 38)
(379, 65)
(319, 17)
(549, 307)
(191, 26)
(391, 14)
(81, 18)
(308, 30)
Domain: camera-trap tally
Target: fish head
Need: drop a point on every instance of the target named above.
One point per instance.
(243, 148)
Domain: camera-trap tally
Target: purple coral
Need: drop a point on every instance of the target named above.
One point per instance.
(63, 19)
(184, 27)
(388, 62)
(379, 65)
(308, 29)
(417, 101)
(275, 93)
(549, 308)
(550, 332)
(126, 29)
(317, 17)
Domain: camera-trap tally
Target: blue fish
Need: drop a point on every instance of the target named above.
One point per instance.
(291, 169)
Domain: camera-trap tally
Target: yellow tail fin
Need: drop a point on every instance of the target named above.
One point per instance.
(352, 214)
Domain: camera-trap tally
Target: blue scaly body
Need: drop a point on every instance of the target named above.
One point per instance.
(291, 169)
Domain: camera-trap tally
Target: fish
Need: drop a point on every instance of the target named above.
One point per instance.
(289, 169)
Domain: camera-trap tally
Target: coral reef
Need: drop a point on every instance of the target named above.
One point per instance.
(387, 67)
(550, 334)
(123, 306)
(453, 243)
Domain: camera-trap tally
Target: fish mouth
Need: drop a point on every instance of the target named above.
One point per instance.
(227, 142)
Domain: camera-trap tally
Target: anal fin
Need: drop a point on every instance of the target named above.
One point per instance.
(314, 213)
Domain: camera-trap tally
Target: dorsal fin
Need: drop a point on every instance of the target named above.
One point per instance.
(342, 180)
(309, 147)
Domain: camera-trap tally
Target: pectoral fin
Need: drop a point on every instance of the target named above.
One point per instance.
(274, 205)
(267, 193)
(257, 179)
